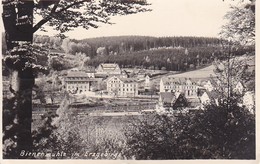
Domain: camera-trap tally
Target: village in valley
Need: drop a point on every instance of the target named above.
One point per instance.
(170, 80)
(109, 90)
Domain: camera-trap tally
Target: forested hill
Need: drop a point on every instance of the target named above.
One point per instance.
(170, 53)
(138, 43)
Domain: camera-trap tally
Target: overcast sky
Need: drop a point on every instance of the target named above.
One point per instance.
(167, 18)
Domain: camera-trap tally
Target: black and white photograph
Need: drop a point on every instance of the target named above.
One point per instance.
(128, 80)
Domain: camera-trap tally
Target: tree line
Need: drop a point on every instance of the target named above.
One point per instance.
(174, 59)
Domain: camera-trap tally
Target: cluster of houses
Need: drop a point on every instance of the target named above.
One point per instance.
(174, 93)
(117, 81)
(178, 93)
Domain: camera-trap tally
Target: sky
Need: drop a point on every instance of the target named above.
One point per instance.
(167, 18)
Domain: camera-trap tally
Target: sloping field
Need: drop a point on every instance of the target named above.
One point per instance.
(208, 71)
(197, 74)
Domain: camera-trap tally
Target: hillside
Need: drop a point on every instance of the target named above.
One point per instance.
(209, 70)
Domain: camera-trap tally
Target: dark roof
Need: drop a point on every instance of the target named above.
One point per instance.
(214, 94)
(201, 91)
(74, 73)
(194, 101)
(168, 97)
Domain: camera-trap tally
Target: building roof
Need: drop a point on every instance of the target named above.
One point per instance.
(169, 97)
(214, 94)
(76, 75)
(109, 66)
(194, 101)
(124, 80)
(129, 80)
(178, 81)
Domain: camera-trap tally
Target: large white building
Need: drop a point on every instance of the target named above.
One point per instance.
(122, 87)
(181, 85)
(107, 69)
(77, 81)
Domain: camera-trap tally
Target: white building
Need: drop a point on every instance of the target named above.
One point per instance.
(182, 85)
(77, 81)
(239, 88)
(122, 87)
(249, 101)
(107, 69)
(211, 97)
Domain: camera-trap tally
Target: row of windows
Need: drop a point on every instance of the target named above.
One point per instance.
(77, 87)
(77, 78)
(123, 85)
(177, 86)
(77, 82)
(126, 89)
(72, 90)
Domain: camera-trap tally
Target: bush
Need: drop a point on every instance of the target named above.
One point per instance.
(218, 132)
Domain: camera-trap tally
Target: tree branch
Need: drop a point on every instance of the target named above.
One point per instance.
(55, 6)
(45, 20)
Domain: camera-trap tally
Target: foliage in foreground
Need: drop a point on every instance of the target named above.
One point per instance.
(218, 132)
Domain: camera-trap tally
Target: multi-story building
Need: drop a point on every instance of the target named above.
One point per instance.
(181, 85)
(122, 87)
(106, 69)
(77, 81)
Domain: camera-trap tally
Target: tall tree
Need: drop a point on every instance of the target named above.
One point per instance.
(240, 26)
(18, 19)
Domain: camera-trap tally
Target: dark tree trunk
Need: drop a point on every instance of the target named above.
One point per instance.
(18, 23)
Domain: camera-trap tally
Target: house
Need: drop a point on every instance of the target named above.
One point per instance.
(210, 97)
(194, 102)
(209, 86)
(249, 101)
(239, 88)
(106, 69)
(122, 87)
(182, 85)
(77, 81)
(140, 74)
(169, 101)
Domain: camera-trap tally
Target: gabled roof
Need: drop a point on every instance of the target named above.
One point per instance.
(194, 101)
(167, 97)
(214, 94)
(178, 81)
(129, 80)
(201, 91)
(240, 83)
(109, 65)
